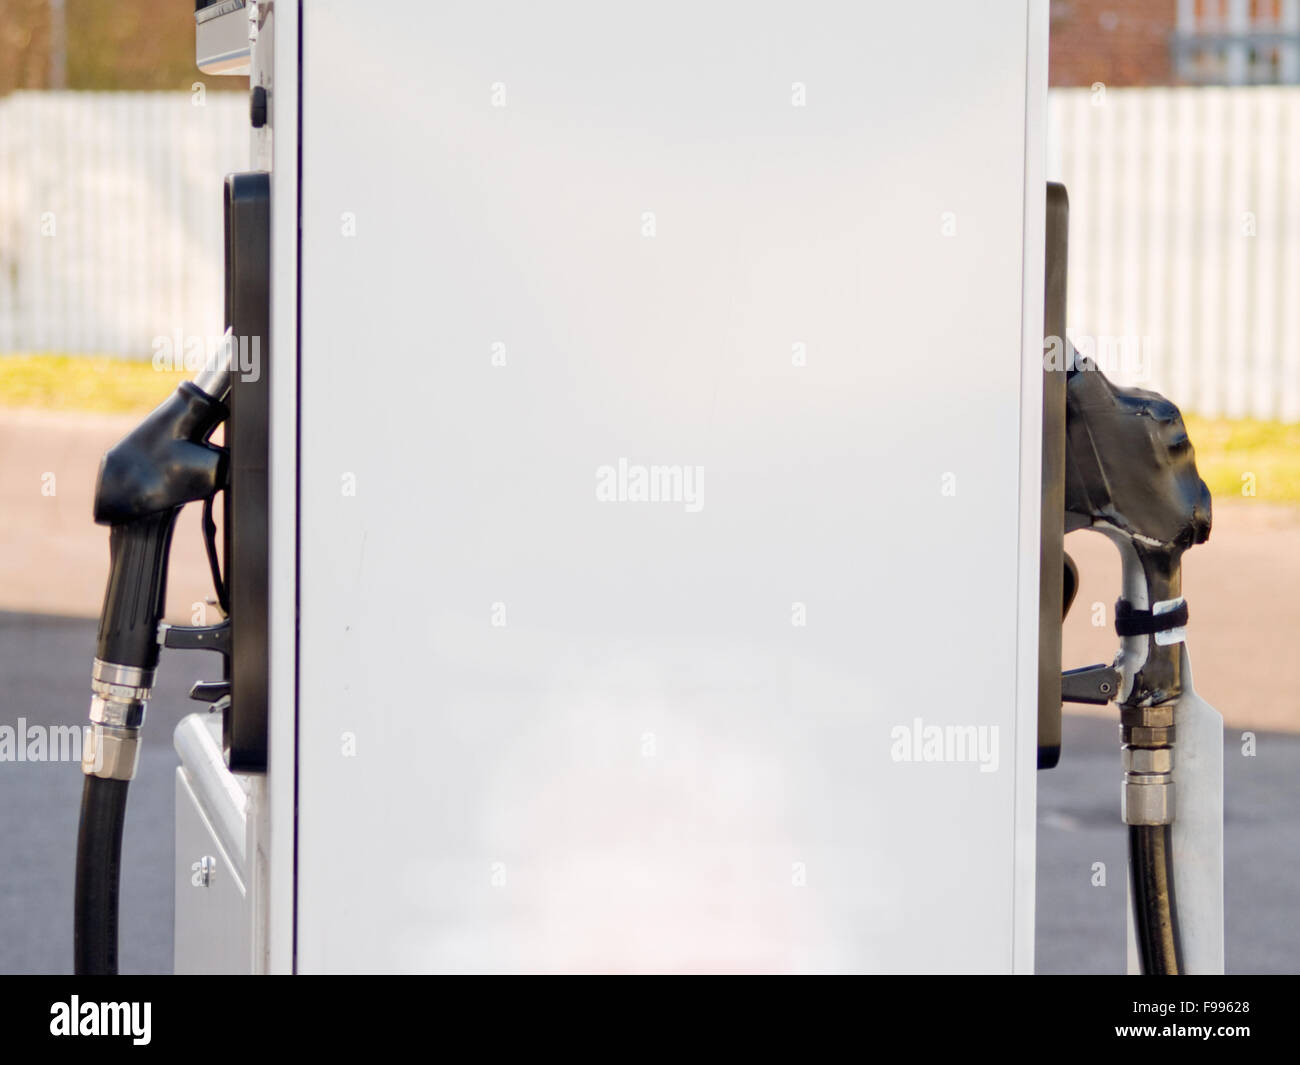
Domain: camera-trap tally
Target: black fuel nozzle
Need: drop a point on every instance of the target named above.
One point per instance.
(144, 480)
(1131, 474)
(164, 463)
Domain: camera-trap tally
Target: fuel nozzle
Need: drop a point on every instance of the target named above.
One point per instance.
(144, 480)
(1131, 475)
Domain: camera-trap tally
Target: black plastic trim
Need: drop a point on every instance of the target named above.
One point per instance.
(1051, 551)
(248, 287)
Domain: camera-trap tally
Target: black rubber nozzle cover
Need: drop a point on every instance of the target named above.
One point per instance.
(144, 480)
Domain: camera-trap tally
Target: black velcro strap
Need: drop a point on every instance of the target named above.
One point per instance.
(1129, 621)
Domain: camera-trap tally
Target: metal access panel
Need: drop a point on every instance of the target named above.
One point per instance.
(214, 908)
(669, 425)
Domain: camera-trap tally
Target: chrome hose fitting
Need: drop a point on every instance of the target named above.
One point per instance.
(120, 696)
(1148, 756)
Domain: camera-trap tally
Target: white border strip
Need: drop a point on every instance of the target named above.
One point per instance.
(1031, 460)
(283, 592)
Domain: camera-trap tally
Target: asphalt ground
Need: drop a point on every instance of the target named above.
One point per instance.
(45, 663)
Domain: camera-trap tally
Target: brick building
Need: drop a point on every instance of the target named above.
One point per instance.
(1175, 42)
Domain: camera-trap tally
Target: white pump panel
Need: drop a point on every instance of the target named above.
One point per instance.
(666, 434)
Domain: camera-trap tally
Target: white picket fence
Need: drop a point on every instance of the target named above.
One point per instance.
(1185, 238)
(111, 217)
(1184, 242)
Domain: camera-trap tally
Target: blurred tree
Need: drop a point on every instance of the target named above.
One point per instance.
(111, 44)
(24, 44)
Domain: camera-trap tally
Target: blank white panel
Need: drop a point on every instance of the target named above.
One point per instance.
(648, 765)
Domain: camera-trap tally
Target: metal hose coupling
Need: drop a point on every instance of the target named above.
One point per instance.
(120, 696)
(1147, 734)
(1151, 660)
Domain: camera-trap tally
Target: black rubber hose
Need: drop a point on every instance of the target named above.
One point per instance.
(99, 862)
(1155, 909)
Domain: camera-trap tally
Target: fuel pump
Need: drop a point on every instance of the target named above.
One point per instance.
(1115, 460)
